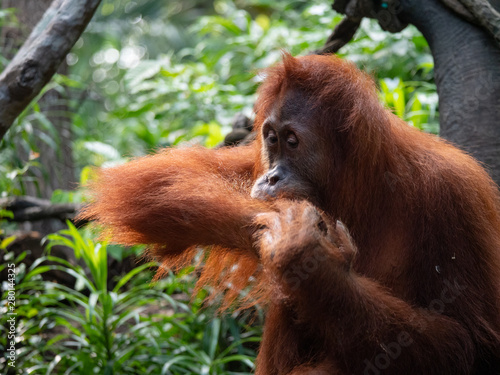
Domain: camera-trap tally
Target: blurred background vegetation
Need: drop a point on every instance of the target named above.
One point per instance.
(148, 74)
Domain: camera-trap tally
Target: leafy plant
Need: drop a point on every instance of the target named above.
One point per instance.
(136, 327)
(174, 95)
(415, 102)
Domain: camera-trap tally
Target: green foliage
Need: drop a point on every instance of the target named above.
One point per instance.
(148, 74)
(133, 328)
(7, 19)
(414, 102)
(192, 91)
(20, 147)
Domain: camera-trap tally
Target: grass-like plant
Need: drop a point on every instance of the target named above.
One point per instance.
(137, 327)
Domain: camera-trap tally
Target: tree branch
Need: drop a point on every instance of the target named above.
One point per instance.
(341, 35)
(485, 15)
(458, 8)
(40, 56)
(31, 209)
(385, 11)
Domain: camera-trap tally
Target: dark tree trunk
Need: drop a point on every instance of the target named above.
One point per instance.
(467, 73)
(464, 37)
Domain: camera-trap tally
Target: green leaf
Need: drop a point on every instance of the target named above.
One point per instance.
(6, 214)
(125, 279)
(7, 241)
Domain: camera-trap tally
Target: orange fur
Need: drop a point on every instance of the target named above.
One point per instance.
(134, 203)
(421, 212)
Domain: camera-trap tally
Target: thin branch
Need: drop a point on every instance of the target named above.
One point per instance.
(341, 35)
(40, 56)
